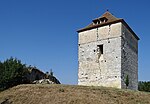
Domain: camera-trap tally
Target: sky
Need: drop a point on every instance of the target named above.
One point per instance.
(42, 33)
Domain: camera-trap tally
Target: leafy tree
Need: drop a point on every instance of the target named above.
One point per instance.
(12, 72)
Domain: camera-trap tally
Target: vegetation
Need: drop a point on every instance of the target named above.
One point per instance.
(69, 94)
(12, 72)
(127, 81)
(144, 86)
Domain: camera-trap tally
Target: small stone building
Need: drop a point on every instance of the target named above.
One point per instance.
(108, 53)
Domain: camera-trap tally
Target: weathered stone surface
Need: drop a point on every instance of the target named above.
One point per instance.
(87, 36)
(44, 81)
(37, 76)
(118, 59)
(129, 57)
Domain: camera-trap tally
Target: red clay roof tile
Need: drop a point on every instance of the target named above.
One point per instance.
(110, 20)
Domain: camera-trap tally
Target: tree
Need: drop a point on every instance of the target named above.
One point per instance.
(127, 81)
(12, 73)
(144, 86)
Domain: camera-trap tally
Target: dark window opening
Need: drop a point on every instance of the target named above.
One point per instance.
(100, 20)
(103, 19)
(100, 48)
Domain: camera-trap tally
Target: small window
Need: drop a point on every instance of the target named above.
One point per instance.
(100, 20)
(103, 19)
(100, 49)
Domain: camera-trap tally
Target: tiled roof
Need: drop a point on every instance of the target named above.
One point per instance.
(110, 19)
(109, 16)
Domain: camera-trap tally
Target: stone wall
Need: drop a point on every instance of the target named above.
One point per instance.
(129, 59)
(119, 58)
(105, 70)
(101, 33)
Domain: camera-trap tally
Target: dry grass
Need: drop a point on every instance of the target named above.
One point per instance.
(65, 94)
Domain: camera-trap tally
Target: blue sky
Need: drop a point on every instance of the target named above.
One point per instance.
(42, 33)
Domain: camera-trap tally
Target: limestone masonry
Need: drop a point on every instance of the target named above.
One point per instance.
(108, 53)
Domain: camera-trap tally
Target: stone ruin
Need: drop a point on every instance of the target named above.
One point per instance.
(36, 76)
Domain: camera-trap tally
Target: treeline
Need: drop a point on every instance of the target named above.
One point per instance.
(144, 86)
(12, 72)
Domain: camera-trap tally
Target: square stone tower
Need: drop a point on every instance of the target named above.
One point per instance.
(108, 53)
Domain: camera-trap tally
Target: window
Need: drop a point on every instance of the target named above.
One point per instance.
(100, 48)
(103, 19)
(100, 20)
(99, 51)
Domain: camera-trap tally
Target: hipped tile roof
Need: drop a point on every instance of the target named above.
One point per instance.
(110, 20)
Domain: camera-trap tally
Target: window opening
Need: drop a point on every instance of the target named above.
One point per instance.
(99, 50)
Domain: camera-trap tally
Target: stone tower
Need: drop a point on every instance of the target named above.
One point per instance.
(108, 53)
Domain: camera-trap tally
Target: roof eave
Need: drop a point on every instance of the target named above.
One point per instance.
(108, 23)
(99, 25)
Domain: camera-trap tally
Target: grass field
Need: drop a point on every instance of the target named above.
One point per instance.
(68, 94)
